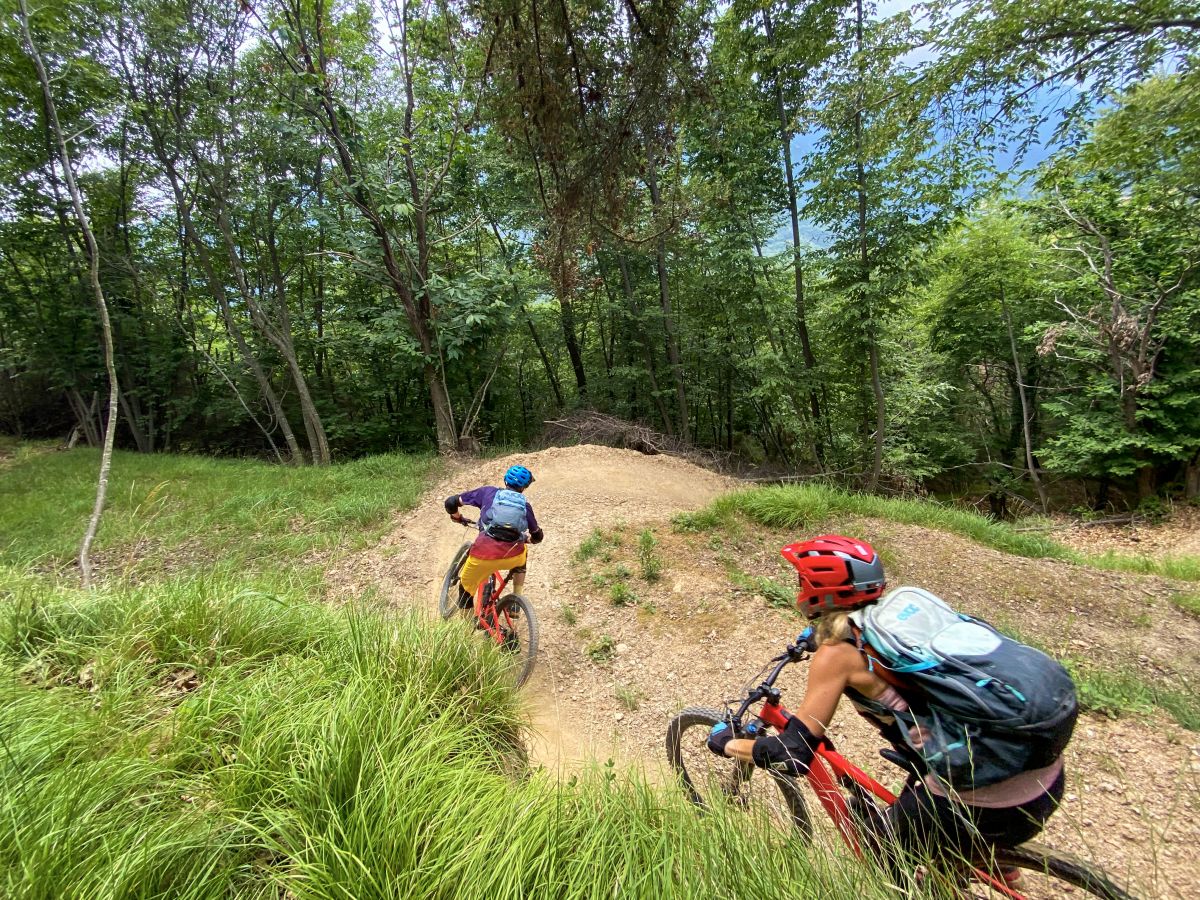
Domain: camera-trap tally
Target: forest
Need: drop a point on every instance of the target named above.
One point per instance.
(941, 246)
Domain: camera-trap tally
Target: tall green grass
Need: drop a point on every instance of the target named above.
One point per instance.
(174, 513)
(803, 506)
(315, 753)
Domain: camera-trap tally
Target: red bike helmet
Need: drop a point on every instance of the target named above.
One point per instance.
(836, 572)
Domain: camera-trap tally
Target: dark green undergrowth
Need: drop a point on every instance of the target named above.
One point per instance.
(201, 738)
(173, 513)
(802, 506)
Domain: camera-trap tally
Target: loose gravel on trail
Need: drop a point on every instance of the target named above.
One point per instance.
(695, 637)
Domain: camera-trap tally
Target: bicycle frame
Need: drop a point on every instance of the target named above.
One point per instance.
(485, 605)
(830, 772)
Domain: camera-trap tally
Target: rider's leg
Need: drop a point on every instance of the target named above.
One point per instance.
(515, 565)
(932, 826)
(474, 572)
(517, 574)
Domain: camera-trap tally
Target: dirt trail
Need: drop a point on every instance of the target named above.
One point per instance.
(578, 489)
(695, 637)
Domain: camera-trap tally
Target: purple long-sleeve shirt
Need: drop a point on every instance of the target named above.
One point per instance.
(486, 547)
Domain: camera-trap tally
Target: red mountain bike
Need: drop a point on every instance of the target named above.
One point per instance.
(847, 793)
(509, 621)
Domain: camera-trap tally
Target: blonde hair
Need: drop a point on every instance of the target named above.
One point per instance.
(834, 627)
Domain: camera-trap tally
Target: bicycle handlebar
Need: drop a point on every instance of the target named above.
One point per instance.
(798, 651)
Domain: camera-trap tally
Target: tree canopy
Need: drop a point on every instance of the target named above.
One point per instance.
(771, 230)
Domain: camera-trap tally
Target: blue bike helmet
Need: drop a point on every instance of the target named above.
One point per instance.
(518, 478)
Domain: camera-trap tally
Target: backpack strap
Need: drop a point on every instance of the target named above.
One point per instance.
(875, 662)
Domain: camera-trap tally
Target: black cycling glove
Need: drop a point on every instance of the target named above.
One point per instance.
(791, 751)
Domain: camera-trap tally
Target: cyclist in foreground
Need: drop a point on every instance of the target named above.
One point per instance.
(955, 812)
(505, 518)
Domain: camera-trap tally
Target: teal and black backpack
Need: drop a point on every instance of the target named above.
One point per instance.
(988, 707)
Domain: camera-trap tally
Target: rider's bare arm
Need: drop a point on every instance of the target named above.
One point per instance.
(834, 667)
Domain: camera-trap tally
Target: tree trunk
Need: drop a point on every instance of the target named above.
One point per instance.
(537, 341)
(550, 375)
(296, 455)
(132, 420)
(880, 408)
(1146, 481)
(217, 291)
(785, 135)
(664, 297)
(570, 336)
(651, 368)
(281, 337)
(1191, 479)
(319, 299)
(114, 390)
(85, 416)
(865, 272)
(1029, 463)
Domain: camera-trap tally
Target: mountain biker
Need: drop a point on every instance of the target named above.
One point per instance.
(506, 523)
(837, 576)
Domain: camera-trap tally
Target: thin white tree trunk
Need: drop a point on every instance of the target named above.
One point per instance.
(114, 391)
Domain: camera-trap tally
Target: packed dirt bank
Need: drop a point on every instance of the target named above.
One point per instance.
(617, 663)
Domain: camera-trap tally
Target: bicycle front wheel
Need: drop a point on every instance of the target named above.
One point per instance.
(710, 780)
(448, 598)
(519, 633)
(1047, 874)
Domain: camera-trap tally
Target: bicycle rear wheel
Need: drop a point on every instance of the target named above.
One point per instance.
(448, 598)
(710, 780)
(519, 628)
(1047, 874)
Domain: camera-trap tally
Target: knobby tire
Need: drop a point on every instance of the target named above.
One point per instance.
(448, 598)
(708, 780)
(523, 641)
(1064, 867)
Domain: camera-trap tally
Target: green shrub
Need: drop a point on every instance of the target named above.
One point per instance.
(602, 650)
(649, 561)
(621, 595)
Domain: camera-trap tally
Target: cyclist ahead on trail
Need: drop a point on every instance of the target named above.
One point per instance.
(506, 523)
(980, 719)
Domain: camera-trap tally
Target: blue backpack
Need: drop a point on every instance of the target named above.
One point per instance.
(507, 519)
(988, 707)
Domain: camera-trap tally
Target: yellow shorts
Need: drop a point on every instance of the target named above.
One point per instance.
(475, 570)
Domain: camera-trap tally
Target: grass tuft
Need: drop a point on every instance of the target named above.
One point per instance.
(621, 594)
(602, 649)
(1188, 601)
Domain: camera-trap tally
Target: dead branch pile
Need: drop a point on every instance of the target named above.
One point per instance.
(586, 427)
(589, 427)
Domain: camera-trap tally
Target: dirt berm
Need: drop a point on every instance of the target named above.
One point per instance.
(611, 671)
